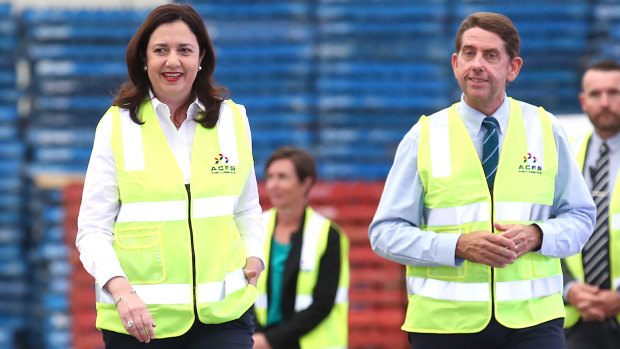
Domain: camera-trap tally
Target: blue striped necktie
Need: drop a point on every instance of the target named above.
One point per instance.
(490, 149)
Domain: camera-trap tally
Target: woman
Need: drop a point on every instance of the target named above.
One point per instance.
(303, 294)
(170, 224)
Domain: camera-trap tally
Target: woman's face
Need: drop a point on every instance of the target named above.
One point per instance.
(283, 186)
(172, 59)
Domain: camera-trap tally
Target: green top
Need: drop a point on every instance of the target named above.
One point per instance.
(279, 254)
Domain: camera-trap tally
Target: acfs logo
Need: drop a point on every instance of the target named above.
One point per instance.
(530, 164)
(221, 166)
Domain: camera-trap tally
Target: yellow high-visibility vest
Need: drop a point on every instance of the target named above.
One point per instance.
(332, 332)
(457, 200)
(173, 270)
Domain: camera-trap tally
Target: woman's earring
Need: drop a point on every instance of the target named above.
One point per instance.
(199, 67)
(144, 68)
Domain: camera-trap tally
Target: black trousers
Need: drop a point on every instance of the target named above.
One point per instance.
(236, 334)
(586, 335)
(548, 335)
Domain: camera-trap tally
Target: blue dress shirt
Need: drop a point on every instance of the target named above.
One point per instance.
(395, 234)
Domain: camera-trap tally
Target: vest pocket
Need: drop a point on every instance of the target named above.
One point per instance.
(452, 273)
(139, 252)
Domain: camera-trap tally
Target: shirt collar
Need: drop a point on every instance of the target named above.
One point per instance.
(162, 110)
(473, 118)
(613, 142)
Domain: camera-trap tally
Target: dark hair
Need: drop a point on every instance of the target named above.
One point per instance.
(605, 65)
(304, 163)
(493, 22)
(136, 89)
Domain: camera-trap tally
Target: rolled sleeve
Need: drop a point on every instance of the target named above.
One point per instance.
(573, 211)
(98, 210)
(248, 214)
(395, 231)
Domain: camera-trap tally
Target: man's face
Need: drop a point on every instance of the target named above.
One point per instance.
(482, 67)
(600, 99)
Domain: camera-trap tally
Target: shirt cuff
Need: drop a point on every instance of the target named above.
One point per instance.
(547, 247)
(105, 275)
(566, 288)
(446, 250)
(254, 248)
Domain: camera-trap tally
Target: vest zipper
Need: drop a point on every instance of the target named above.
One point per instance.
(492, 268)
(191, 240)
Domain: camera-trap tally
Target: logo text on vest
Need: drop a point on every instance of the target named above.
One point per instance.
(529, 164)
(221, 166)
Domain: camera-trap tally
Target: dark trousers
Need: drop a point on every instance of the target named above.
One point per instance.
(548, 335)
(586, 335)
(236, 334)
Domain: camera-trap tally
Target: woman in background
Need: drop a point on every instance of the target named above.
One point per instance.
(303, 294)
(170, 224)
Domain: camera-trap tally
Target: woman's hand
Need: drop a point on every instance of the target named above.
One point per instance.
(253, 268)
(131, 309)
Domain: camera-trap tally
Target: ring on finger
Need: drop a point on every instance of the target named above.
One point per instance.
(517, 248)
(130, 323)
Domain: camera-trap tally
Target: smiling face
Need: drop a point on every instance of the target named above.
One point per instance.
(172, 58)
(483, 68)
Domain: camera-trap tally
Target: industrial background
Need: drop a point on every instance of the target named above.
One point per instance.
(343, 79)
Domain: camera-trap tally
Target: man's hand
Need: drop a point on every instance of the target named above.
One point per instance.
(610, 302)
(486, 248)
(586, 299)
(253, 268)
(525, 237)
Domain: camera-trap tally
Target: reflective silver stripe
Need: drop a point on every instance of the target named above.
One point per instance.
(534, 133)
(479, 292)
(159, 211)
(216, 291)
(303, 301)
(261, 301)
(528, 289)
(133, 151)
(214, 206)
(342, 295)
(439, 136)
(446, 290)
(309, 246)
(616, 283)
(476, 212)
(226, 134)
(521, 211)
(131, 133)
(154, 294)
(615, 221)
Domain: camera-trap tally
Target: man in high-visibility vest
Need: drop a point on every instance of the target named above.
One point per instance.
(592, 278)
(483, 199)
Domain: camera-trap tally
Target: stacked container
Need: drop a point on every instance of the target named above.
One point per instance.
(13, 271)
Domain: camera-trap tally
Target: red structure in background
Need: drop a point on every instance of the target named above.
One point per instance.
(377, 293)
(82, 297)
